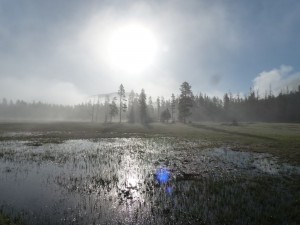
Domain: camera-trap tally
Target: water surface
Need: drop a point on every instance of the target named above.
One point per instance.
(128, 181)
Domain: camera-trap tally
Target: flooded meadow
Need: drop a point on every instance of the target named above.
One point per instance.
(149, 180)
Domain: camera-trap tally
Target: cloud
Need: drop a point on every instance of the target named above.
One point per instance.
(278, 80)
(72, 49)
(209, 44)
(186, 49)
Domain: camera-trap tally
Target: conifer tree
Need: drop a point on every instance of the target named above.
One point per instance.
(143, 107)
(185, 101)
(122, 99)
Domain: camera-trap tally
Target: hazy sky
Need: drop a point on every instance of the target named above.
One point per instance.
(56, 51)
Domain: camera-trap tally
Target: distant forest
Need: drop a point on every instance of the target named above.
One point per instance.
(186, 107)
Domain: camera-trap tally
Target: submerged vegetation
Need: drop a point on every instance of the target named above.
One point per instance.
(208, 173)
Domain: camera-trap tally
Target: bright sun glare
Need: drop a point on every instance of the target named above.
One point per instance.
(132, 48)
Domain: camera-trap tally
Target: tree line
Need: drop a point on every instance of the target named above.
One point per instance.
(185, 107)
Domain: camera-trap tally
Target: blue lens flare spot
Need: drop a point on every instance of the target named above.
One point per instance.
(163, 176)
(169, 190)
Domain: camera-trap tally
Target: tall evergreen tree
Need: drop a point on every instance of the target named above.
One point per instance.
(106, 105)
(185, 101)
(113, 109)
(158, 108)
(150, 109)
(162, 103)
(122, 99)
(226, 102)
(131, 101)
(165, 116)
(143, 107)
(173, 106)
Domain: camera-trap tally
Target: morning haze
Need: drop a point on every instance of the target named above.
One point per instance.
(149, 112)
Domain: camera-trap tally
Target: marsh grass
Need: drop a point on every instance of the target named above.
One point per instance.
(4, 220)
(12, 220)
(109, 177)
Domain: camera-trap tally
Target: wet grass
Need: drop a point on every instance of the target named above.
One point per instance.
(6, 220)
(107, 174)
(282, 140)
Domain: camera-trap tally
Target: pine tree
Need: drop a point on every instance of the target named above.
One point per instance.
(150, 109)
(106, 105)
(173, 105)
(165, 116)
(226, 101)
(185, 101)
(122, 99)
(131, 103)
(143, 107)
(113, 109)
(158, 108)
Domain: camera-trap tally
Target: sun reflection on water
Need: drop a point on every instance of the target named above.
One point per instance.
(132, 182)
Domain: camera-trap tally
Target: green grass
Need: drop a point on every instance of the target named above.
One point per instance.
(279, 139)
(259, 199)
(6, 220)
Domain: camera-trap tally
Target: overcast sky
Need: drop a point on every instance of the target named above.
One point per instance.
(54, 51)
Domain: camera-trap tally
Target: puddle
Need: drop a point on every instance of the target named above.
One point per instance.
(123, 180)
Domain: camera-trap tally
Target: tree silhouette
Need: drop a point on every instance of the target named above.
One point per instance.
(131, 105)
(269, 108)
(173, 106)
(122, 99)
(165, 115)
(158, 108)
(106, 108)
(113, 109)
(143, 107)
(185, 101)
(226, 102)
(150, 109)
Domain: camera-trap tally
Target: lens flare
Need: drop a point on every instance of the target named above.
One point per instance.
(163, 175)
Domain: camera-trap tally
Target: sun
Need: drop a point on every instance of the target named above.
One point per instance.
(132, 48)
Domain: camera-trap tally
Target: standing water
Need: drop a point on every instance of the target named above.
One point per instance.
(133, 181)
